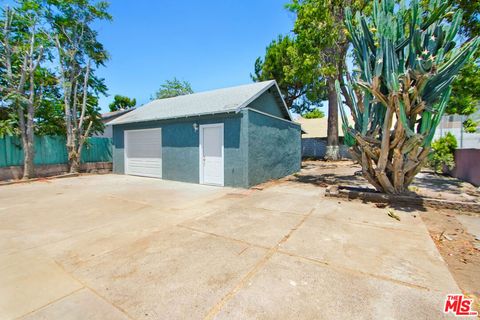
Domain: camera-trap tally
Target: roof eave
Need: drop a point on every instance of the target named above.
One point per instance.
(173, 118)
(283, 100)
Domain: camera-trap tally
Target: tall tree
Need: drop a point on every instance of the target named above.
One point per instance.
(173, 88)
(321, 36)
(298, 78)
(408, 60)
(23, 50)
(78, 54)
(121, 103)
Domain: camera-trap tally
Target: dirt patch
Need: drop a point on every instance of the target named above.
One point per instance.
(457, 248)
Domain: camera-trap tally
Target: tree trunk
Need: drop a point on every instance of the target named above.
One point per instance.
(73, 160)
(26, 132)
(74, 165)
(24, 72)
(28, 166)
(333, 149)
(30, 150)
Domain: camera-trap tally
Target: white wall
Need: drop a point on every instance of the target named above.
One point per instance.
(453, 124)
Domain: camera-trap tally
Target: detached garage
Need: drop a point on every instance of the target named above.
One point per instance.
(239, 136)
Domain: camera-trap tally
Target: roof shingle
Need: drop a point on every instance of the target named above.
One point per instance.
(208, 102)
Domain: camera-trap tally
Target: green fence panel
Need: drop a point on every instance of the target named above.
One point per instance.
(13, 151)
(3, 153)
(52, 150)
(97, 150)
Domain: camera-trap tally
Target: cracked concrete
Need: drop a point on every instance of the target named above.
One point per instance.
(120, 247)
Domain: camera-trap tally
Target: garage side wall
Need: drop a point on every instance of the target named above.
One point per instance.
(274, 148)
(180, 148)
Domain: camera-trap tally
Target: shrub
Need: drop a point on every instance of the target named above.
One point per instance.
(442, 154)
(314, 114)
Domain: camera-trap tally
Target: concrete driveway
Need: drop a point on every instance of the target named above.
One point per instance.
(122, 247)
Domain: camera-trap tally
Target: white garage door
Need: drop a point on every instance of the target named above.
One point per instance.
(143, 152)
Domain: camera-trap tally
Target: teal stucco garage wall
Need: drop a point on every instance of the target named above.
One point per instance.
(274, 147)
(180, 147)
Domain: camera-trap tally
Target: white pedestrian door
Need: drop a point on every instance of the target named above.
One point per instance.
(211, 154)
(143, 152)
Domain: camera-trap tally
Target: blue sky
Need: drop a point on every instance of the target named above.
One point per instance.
(210, 43)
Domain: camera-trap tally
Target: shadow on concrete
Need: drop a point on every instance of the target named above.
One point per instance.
(438, 183)
(408, 207)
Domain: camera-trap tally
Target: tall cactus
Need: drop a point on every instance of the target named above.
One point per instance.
(407, 59)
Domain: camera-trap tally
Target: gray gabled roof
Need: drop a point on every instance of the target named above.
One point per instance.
(209, 102)
(115, 114)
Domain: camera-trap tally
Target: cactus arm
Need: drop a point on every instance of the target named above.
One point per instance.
(437, 117)
(348, 133)
(403, 119)
(435, 15)
(366, 113)
(455, 25)
(368, 35)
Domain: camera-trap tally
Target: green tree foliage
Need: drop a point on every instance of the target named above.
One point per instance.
(470, 126)
(443, 153)
(121, 103)
(408, 60)
(8, 123)
(298, 78)
(322, 39)
(173, 88)
(314, 114)
(465, 91)
(466, 87)
(49, 115)
(50, 119)
(466, 94)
